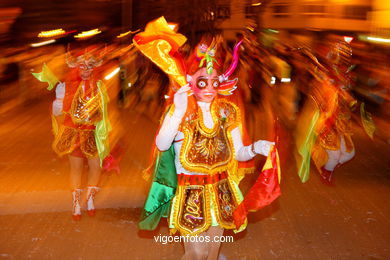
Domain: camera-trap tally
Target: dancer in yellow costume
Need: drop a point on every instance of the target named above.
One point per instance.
(334, 145)
(80, 122)
(201, 143)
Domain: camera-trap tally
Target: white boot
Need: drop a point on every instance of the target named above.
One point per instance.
(76, 212)
(91, 193)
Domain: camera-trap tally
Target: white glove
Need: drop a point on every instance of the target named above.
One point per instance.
(60, 90)
(57, 107)
(263, 147)
(181, 101)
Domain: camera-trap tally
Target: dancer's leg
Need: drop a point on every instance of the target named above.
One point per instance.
(76, 170)
(344, 155)
(204, 250)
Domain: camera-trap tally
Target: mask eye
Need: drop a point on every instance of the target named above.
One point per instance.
(215, 83)
(201, 83)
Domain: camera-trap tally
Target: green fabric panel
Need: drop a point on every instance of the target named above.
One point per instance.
(165, 170)
(305, 149)
(162, 191)
(103, 127)
(150, 220)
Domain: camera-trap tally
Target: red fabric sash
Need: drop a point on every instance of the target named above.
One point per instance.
(185, 179)
(265, 190)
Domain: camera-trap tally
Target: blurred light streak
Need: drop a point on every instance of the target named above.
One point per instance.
(166, 96)
(88, 33)
(273, 80)
(129, 85)
(51, 33)
(38, 44)
(273, 31)
(257, 4)
(112, 74)
(376, 39)
(250, 28)
(127, 33)
(285, 80)
(348, 39)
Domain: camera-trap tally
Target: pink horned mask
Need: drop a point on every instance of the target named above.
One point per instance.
(86, 62)
(205, 83)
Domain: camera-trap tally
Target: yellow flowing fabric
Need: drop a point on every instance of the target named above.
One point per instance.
(305, 137)
(46, 75)
(367, 121)
(159, 43)
(104, 126)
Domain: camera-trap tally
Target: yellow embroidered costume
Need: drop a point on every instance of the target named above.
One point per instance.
(202, 145)
(210, 197)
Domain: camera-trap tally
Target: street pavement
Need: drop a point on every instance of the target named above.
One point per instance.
(349, 220)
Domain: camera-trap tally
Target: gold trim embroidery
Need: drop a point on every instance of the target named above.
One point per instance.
(226, 199)
(187, 211)
(86, 112)
(181, 212)
(66, 140)
(211, 149)
(209, 132)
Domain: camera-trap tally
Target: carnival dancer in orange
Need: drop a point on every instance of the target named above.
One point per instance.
(81, 126)
(334, 144)
(201, 144)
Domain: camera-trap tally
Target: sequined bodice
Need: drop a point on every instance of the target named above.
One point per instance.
(206, 150)
(85, 109)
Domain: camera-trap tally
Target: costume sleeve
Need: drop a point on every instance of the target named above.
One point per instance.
(263, 147)
(57, 107)
(168, 131)
(243, 153)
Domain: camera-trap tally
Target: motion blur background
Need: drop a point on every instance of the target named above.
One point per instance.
(269, 27)
(347, 221)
